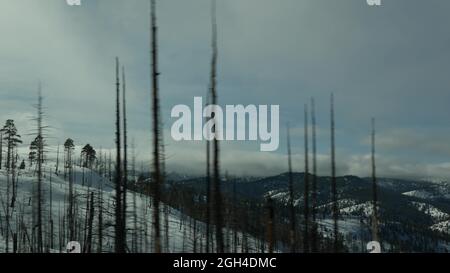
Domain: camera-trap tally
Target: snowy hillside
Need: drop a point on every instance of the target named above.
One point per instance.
(182, 235)
(410, 211)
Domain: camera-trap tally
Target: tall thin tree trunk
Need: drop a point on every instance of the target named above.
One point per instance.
(216, 166)
(208, 189)
(314, 231)
(71, 209)
(90, 222)
(135, 224)
(100, 220)
(165, 207)
(270, 225)
(57, 161)
(125, 159)
(51, 211)
(333, 181)
(375, 231)
(39, 182)
(306, 193)
(156, 131)
(8, 191)
(292, 230)
(119, 236)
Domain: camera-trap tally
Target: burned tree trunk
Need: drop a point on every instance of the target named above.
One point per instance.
(314, 231)
(90, 222)
(156, 132)
(270, 224)
(125, 158)
(334, 197)
(292, 230)
(40, 156)
(208, 189)
(119, 236)
(306, 193)
(375, 220)
(216, 166)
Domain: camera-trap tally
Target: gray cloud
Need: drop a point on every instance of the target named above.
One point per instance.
(378, 61)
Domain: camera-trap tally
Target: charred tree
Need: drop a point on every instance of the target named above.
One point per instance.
(119, 242)
(292, 230)
(125, 158)
(334, 197)
(90, 223)
(216, 166)
(375, 219)
(69, 147)
(306, 190)
(208, 187)
(57, 161)
(156, 130)
(314, 231)
(270, 224)
(40, 158)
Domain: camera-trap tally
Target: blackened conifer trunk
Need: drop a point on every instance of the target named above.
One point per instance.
(216, 166)
(292, 230)
(156, 131)
(375, 220)
(306, 193)
(314, 231)
(90, 223)
(57, 161)
(100, 219)
(208, 189)
(270, 225)
(119, 238)
(334, 197)
(40, 156)
(125, 158)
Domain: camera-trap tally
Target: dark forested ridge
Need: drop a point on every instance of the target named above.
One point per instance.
(408, 208)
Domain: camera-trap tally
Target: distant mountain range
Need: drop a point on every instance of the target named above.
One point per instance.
(410, 211)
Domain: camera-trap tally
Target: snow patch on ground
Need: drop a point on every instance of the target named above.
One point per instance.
(419, 194)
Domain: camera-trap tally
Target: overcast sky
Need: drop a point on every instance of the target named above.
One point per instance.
(390, 62)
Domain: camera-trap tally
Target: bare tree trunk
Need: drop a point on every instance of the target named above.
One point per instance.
(8, 191)
(292, 231)
(208, 190)
(270, 225)
(194, 248)
(51, 211)
(306, 193)
(333, 182)
(39, 182)
(90, 222)
(156, 131)
(165, 207)
(314, 232)
(216, 166)
(119, 236)
(57, 161)
(135, 224)
(71, 209)
(100, 221)
(375, 231)
(125, 158)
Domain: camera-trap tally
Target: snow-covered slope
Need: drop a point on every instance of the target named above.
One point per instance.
(55, 188)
